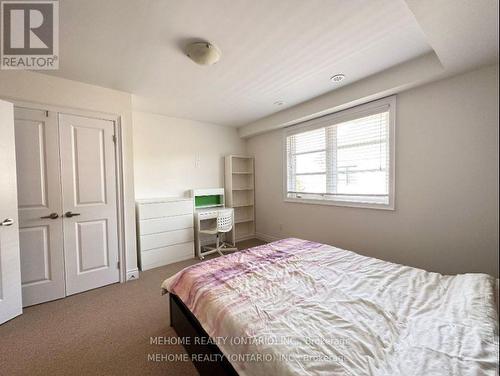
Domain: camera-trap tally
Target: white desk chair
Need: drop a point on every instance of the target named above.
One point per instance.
(224, 225)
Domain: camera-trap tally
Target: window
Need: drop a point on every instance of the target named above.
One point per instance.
(343, 159)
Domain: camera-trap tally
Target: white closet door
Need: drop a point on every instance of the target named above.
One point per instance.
(39, 202)
(10, 274)
(89, 201)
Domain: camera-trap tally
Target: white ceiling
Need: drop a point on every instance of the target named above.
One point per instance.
(464, 35)
(272, 50)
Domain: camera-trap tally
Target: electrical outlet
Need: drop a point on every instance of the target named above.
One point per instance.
(197, 160)
(133, 275)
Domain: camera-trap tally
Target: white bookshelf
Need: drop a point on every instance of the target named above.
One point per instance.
(240, 195)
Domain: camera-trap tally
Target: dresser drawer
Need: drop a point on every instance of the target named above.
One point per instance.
(166, 255)
(165, 209)
(164, 239)
(155, 225)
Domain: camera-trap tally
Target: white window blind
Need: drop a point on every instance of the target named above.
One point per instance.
(346, 162)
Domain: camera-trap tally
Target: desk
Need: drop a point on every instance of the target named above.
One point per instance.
(203, 217)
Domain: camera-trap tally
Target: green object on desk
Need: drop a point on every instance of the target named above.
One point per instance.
(212, 200)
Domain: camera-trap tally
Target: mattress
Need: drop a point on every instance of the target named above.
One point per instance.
(296, 307)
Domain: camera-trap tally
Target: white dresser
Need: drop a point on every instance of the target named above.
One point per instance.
(165, 231)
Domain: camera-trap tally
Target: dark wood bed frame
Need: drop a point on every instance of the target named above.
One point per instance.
(187, 326)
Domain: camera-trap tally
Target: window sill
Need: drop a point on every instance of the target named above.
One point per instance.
(360, 205)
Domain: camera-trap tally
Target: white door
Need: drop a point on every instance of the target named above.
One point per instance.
(39, 201)
(89, 201)
(10, 273)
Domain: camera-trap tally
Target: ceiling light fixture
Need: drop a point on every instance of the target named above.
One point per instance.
(337, 78)
(203, 53)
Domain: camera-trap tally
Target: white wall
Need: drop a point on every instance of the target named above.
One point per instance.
(446, 216)
(166, 150)
(45, 89)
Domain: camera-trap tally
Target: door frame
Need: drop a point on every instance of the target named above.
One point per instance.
(120, 204)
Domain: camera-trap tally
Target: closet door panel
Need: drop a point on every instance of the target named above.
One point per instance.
(39, 195)
(89, 180)
(89, 199)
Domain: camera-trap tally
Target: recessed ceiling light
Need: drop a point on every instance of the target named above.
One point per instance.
(337, 78)
(279, 103)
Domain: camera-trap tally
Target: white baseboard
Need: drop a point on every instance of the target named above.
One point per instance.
(246, 237)
(266, 237)
(132, 274)
(204, 242)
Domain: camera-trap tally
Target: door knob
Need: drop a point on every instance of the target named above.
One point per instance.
(71, 214)
(7, 222)
(51, 216)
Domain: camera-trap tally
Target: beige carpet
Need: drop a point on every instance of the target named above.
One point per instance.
(105, 331)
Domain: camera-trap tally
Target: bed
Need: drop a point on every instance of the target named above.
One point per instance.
(296, 307)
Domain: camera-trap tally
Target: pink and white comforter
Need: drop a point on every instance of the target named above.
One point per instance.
(295, 307)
